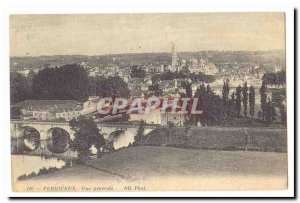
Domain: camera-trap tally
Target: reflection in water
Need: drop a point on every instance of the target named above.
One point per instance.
(127, 137)
(31, 138)
(124, 139)
(24, 164)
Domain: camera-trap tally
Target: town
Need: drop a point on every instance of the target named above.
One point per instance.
(181, 77)
(118, 101)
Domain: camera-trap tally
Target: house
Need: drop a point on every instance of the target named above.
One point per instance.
(90, 106)
(47, 110)
(177, 118)
(153, 117)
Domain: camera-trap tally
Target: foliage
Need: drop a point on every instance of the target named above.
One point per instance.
(108, 87)
(86, 135)
(67, 82)
(277, 98)
(278, 78)
(44, 171)
(251, 101)
(15, 112)
(140, 134)
(156, 89)
(137, 72)
(283, 114)
(214, 112)
(238, 101)
(232, 101)
(188, 89)
(245, 98)
(225, 92)
(20, 88)
(263, 99)
(270, 114)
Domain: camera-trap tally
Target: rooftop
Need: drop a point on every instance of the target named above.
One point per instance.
(50, 105)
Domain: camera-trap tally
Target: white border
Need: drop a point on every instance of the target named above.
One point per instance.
(136, 6)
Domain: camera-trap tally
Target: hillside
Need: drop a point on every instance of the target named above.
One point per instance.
(146, 161)
(165, 168)
(220, 138)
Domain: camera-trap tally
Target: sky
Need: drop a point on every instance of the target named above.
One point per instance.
(98, 34)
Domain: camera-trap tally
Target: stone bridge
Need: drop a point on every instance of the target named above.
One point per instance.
(36, 137)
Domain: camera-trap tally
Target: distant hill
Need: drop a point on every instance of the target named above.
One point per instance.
(125, 60)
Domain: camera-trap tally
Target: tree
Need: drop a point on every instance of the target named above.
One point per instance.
(202, 90)
(238, 100)
(69, 82)
(140, 134)
(232, 100)
(277, 99)
(245, 98)
(86, 135)
(283, 114)
(214, 112)
(171, 127)
(15, 112)
(156, 89)
(225, 92)
(189, 91)
(137, 72)
(108, 87)
(263, 99)
(278, 78)
(270, 113)
(251, 101)
(20, 88)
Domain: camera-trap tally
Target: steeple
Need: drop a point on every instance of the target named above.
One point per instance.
(174, 59)
(173, 49)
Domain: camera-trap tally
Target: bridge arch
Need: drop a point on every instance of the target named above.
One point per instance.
(30, 138)
(58, 140)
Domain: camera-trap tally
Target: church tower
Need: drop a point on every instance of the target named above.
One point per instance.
(174, 59)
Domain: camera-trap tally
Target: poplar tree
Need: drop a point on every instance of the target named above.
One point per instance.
(251, 101)
(238, 100)
(263, 99)
(245, 98)
(225, 92)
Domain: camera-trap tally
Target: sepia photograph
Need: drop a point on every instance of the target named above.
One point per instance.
(148, 102)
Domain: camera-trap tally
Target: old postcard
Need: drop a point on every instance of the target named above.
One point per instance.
(148, 102)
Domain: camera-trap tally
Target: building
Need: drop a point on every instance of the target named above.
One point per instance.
(68, 115)
(193, 67)
(24, 72)
(203, 66)
(175, 60)
(49, 110)
(176, 117)
(90, 106)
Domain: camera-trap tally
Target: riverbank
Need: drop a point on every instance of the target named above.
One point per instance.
(166, 168)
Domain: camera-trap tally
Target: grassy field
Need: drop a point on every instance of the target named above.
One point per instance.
(220, 138)
(147, 161)
(171, 169)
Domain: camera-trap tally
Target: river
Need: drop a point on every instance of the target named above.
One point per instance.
(24, 164)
